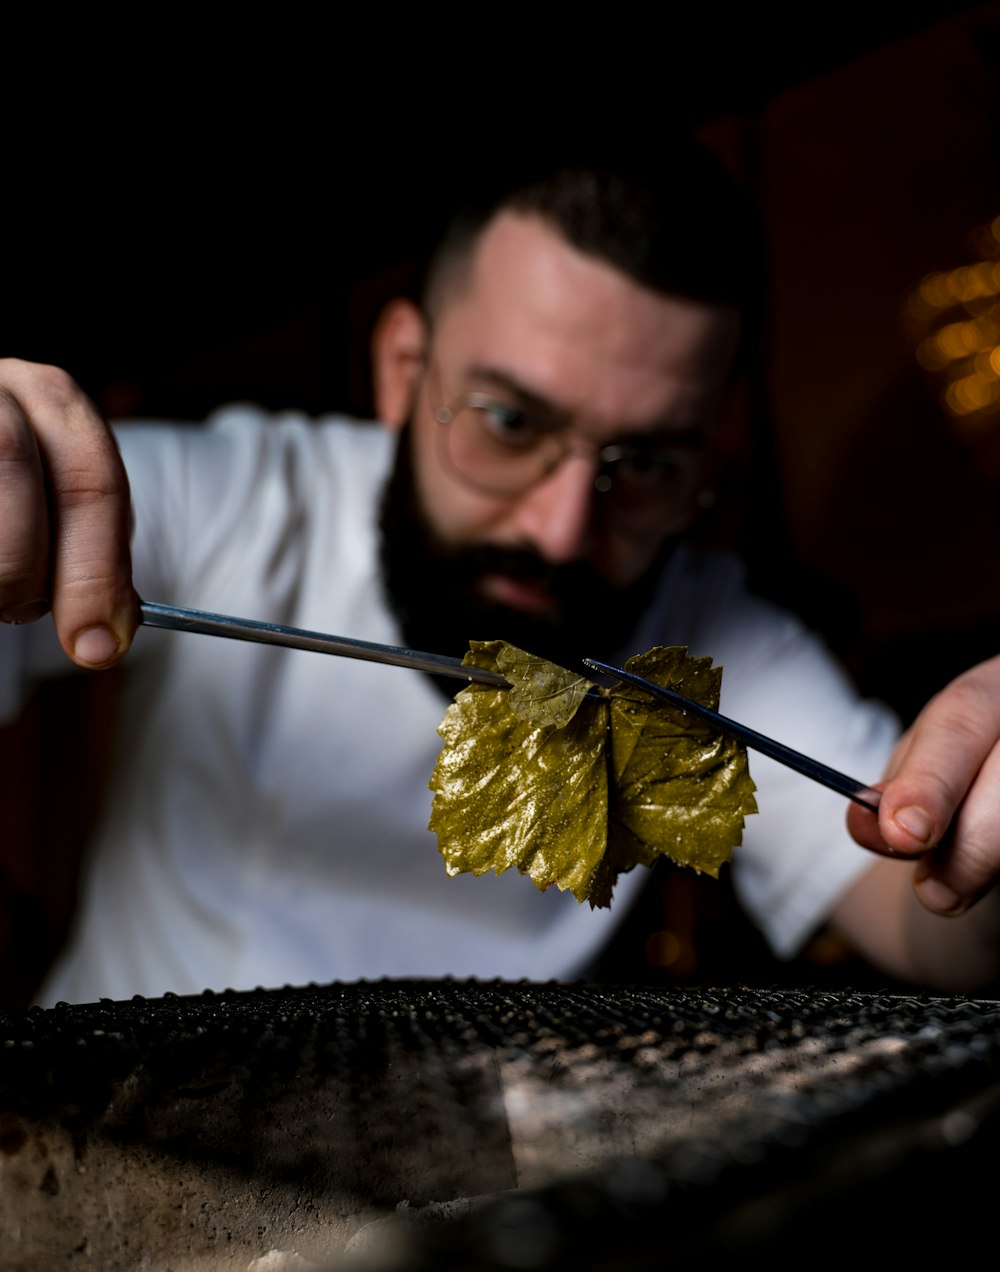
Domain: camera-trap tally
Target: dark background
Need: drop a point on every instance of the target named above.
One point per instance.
(190, 217)
(193, 219)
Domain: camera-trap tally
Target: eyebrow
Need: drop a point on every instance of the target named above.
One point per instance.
(692, 436)
(508, 383)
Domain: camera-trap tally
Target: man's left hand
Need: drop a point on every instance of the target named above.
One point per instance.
(941, 795)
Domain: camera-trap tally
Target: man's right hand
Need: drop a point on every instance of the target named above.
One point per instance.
(64, 515)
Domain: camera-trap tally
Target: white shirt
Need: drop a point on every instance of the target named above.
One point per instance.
(268, 824)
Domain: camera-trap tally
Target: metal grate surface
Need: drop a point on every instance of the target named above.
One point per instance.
(411, 1125)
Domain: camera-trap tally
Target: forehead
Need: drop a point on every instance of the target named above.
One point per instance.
(577, 332)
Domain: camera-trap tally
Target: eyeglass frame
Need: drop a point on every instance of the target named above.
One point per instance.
(607, 455)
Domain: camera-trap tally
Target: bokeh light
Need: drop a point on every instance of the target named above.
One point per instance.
(953, 318)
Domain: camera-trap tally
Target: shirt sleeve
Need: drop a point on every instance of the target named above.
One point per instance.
(797, 858)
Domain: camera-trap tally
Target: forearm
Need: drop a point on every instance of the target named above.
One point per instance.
(884, 921)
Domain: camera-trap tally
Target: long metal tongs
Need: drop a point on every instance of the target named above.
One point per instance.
(860, 792)
(177, 618)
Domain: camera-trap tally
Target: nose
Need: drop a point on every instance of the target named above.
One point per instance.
(556, 516)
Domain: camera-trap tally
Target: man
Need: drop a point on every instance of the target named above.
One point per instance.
(557, 409)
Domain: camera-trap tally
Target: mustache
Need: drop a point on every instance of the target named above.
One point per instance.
(565, 581)
(435, 589)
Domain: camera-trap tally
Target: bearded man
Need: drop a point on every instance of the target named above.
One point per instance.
(553, 423)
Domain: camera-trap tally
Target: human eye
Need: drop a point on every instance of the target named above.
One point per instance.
(650, 469)
(508, 426)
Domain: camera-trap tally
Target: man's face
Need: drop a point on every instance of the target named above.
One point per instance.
(537, 325)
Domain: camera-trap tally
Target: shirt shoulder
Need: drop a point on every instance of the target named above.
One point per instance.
(241, 450)
(205, 493)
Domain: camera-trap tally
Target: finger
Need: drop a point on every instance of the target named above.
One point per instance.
(863, 825)
(24, 528)
(941, 758)
(966, 864)
(93, 603)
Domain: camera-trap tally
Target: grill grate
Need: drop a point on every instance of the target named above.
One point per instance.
(491, 1124)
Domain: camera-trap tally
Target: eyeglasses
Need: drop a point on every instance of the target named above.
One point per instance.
(502, 449)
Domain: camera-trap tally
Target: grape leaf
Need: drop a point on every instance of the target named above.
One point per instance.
(574, 789)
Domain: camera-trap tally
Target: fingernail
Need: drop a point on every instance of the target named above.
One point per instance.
(916, 821)
(95, 646)
(937, 896)
(26, 612)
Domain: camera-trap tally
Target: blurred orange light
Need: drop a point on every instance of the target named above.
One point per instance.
(954, 319)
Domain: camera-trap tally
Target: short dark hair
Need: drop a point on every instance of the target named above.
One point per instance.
(672, 219)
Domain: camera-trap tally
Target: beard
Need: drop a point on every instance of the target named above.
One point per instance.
(434, 589)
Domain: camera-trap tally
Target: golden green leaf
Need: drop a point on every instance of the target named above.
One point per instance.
(574, 789)
(541, 691)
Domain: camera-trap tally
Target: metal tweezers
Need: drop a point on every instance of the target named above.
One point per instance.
(860, 792)
(177, 618)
